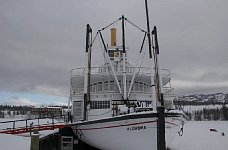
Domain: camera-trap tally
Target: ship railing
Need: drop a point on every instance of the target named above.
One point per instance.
(167, 90)
(106, 71)
(79, 91)
(27, 125)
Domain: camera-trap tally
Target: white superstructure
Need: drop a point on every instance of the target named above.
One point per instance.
(119, 107)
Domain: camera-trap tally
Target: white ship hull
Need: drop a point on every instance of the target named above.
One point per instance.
(136, 131)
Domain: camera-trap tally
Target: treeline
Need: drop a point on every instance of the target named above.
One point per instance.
(209, 114)
(13, 110)
(197, 103)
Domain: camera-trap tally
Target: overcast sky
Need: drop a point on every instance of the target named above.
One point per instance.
(40, 41)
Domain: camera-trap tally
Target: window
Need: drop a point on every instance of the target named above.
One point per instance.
(99, 87)
(141, 86)
(111, 85)
(106, 86)
(94, 87)
(145, 88)
(111, 53)
(121, 67)
(100, 105)
(136, 86)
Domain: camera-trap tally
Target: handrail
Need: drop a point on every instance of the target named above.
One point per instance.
(97, 70)
(28, 128)
(54, 117)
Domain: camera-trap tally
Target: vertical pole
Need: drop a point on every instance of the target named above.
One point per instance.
(69, 100)
(161, 109)
(148, 29)
(38, 124)
(161, 128)
(34, 145)
(89, 64)
(124, 60)
(13, 126)
(26, 122)
(53, 123)
(158, 70)
(87, 70)
(152, 84)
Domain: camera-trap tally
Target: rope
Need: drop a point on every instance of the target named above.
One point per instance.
(103, 52)
(135, 25)
(111, 24)
(127, 21)
(94, 39)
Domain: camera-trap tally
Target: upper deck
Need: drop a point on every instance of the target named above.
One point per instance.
(102, 78)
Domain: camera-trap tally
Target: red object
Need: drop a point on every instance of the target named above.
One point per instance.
(30, 129)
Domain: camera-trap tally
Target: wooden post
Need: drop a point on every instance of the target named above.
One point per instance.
(13, 126)
(26, 121)
(34, 145)
(161, 128)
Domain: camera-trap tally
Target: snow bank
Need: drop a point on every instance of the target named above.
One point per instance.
(12, 142)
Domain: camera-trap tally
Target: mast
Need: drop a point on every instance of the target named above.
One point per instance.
(87, 70)
(152, 62)
(161, 109)
(158, 71)
(124, 61)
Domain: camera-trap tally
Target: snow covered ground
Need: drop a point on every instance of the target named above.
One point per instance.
(13, 142)
(22, 141)
(197, 136)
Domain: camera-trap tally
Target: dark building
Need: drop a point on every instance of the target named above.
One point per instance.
(46, 111)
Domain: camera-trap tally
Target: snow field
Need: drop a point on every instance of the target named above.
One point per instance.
(197, 136)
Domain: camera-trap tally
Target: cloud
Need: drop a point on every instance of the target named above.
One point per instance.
(40, 41)
(19, 101)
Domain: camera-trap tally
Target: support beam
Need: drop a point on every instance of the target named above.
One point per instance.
(87, 70)
(161, 128)
(152, 84)
(124, 61)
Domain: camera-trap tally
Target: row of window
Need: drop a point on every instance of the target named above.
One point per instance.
(144, 103)
(116, 68)
(111, 86)
(100, 105)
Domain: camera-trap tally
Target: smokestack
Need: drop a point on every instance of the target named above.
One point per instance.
(113, 37)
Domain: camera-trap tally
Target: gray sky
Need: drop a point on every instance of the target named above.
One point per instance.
(40, 41)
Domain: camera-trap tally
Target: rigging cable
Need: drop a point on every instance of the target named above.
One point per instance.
(103, 52)
(135, 76)
(111, 24)
(94, 39)
(135, 25)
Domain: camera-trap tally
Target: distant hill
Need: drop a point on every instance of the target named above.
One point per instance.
(202, 99)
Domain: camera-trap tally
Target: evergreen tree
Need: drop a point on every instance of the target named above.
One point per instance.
(225, 112)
